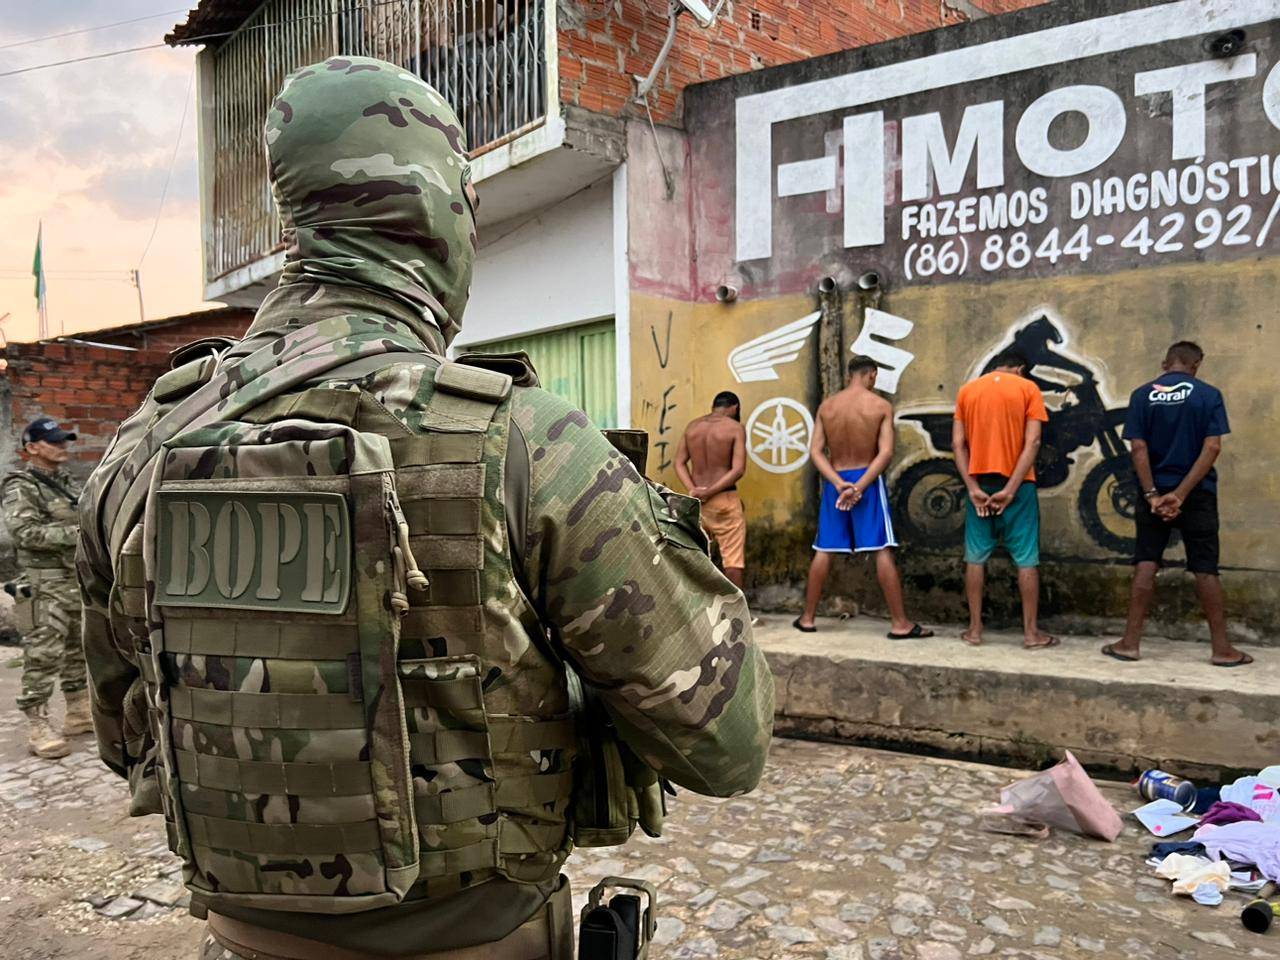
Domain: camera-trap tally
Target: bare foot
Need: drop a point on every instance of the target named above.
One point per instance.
(972, 637)
(1039, 640)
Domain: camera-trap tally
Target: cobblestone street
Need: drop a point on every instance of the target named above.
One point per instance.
(843, 854)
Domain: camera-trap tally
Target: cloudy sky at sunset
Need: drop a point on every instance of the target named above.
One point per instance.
(85, 148)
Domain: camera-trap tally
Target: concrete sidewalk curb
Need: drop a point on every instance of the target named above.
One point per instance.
(999, 703)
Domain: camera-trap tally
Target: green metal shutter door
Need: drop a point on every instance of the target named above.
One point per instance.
(577, 363)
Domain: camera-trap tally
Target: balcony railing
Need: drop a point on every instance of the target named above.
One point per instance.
(487, 58)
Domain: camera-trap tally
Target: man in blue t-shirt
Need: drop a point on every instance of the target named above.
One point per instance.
(1175, 426)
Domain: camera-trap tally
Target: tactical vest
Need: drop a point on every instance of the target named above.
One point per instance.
(349, 709)
(62, 510)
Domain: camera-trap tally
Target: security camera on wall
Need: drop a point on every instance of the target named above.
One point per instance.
(700, 10)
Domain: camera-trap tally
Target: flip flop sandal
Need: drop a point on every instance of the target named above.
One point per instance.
(1053, 642)
(1244, 661)
(1110, 651)
(802, 628)
(916, 632)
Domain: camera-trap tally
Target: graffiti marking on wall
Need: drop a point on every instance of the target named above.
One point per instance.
(778, 435)
(664, 427)
(756, 359)
(663, 357)
(893, 360)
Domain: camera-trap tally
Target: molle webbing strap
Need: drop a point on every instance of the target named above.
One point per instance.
(453, 518)
(505, 738)
(132, 571)
(262, 639)
(131, 581)
(437, 448)
(511, 737)
(456, 696)
(460, 622)
(447, 863)
(454, 588)
(450, 553)
(268, 711)
(440, 481)
(448, 746)
(320, 405)
(453, 806)
(511, 793)
(337, 779)
(519, 837)
(281, 838)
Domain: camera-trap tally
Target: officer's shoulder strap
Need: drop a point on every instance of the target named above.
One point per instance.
(516, 365)
(184, 379)
(191, 366)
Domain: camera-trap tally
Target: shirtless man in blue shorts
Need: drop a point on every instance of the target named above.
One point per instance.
(853, 439)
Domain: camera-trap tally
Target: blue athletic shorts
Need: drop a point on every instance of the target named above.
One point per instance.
(866, 527)
(1018, 527)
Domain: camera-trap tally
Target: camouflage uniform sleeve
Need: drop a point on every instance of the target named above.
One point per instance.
(639, 608)
(111, 674)
(28, 520)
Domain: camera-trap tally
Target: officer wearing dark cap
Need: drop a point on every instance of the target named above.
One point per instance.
(39, 505)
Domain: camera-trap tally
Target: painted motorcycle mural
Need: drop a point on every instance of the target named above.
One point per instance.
(929, 496)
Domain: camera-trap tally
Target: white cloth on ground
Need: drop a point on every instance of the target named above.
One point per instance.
(1188, 872)
(1248, 841)
(1256, 794)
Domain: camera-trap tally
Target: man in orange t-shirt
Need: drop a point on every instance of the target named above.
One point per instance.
(996, 436)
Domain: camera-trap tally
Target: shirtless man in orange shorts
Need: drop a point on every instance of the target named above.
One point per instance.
(710, 460)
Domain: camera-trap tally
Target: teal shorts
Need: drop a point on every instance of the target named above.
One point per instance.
(1018, 527)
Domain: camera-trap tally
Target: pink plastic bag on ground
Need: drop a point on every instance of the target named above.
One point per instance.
(1062, 796)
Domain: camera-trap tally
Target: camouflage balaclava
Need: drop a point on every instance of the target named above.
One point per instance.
(370, 174)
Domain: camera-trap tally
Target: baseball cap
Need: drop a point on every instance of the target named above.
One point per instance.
(45, 428)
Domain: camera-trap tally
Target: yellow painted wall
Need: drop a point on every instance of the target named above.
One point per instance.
(1118, 323)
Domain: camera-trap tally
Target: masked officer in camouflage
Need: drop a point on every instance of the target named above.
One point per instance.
(40, 512)
(541, 549)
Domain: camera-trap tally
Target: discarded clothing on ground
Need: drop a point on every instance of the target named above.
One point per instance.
(1208, 894)
(1062, 796)
(1222, 813)
(1191, 848)
(1188, 873)
(1256, 794)
(1247, 842)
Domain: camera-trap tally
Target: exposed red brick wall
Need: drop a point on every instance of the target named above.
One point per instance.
(91, 389)
(225, 322)
(599, 56)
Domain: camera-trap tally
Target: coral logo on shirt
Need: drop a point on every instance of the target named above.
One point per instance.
(1170, 393)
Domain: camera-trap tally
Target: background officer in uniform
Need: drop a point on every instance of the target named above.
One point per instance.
(40, 511)
(370, 173)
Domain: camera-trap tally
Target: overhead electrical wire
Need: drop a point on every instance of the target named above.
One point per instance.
(73, 33)
(173, 157)
(185, 40)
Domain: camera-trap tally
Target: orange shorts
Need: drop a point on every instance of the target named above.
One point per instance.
(726, 523)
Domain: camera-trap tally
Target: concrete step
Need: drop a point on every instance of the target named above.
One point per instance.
(999, 703)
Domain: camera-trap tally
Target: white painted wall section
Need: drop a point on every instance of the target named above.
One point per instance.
(545, 270)
(622, 295)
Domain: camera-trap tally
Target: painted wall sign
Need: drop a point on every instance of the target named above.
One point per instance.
(1094, 162)
(1083, 181)
(876, 328)
(757, 359)
(778, 435)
